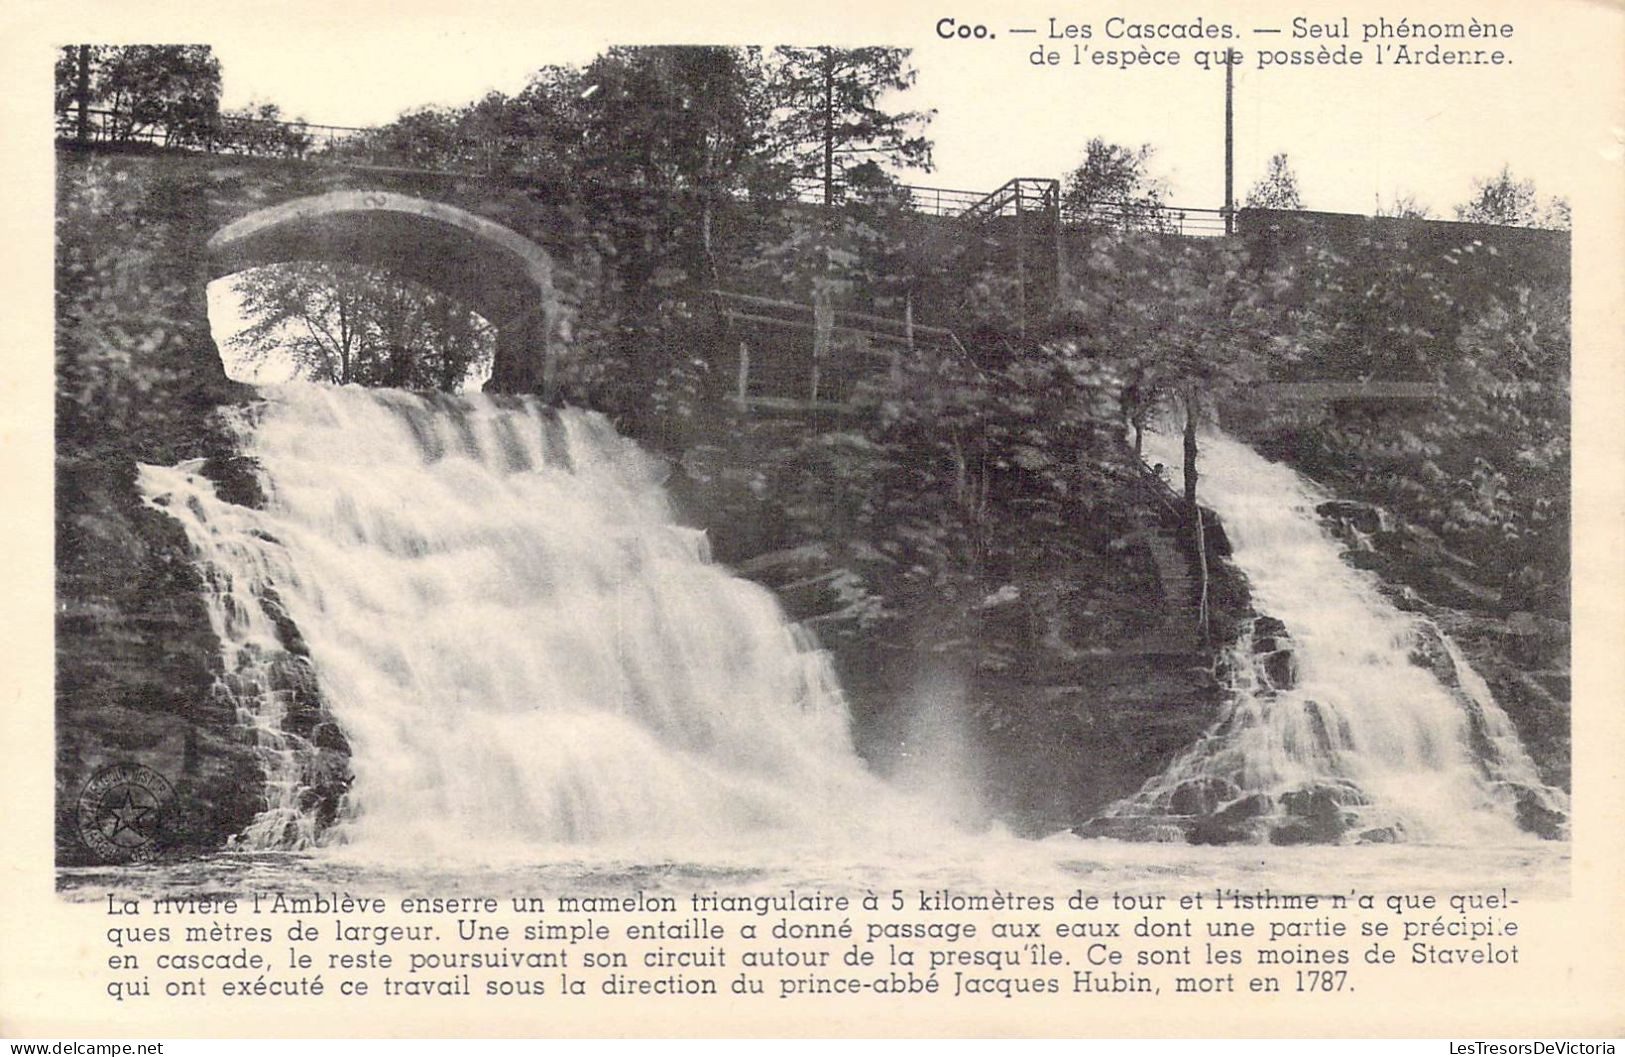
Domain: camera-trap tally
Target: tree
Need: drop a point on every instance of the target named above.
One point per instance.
(689, 124)
(827, 102)
(425, 138)
(1499, 464)
(1277, 189)
(1505, 199)
(669, 136)
(1114, 184)
(1181, 324)
(168, 93)
(261, 129)
(1403, 206)
(73, 90)
(345, 324)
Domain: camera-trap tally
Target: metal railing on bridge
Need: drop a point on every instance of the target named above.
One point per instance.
(220, 134)
(931, 201)
(1024, 194)
(1027, 194)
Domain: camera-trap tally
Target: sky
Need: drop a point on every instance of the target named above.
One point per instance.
(1351, 134)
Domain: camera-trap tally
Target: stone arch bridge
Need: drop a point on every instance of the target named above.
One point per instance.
(504, 249)
(492, 245)
(499, 273)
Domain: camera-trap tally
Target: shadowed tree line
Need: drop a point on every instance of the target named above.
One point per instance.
(652, 150)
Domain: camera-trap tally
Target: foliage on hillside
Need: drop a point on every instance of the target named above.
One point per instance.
(1486, 466)
(130, 316)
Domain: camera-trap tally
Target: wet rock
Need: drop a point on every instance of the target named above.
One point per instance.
(1313, 803)
(286, 630)
(1267, 630)
(294, 680)
(1540, 819)
(1455, 589)
(1366, 517)
(1302, 831)
(1272, 644)
(1429, 651)
(1281, 668)
(329, 736)
(1534, 641)
(236, 479)
(1404, 597)
(1212, 831)
(1201, 796)
(1315, 815)
(327, 780)
(1318, 726)
(1346, 793)
(137, 664)
(1237, 823)
(1369, 560)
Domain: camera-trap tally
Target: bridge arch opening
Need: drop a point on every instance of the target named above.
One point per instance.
(347, 324)
(503, 277)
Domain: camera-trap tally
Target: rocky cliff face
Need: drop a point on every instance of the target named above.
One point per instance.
(1522, 655)
(1034, 691)
(138, 665)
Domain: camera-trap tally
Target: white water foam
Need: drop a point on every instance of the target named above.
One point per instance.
(1360, 729)
(520, 644)
(522, 648)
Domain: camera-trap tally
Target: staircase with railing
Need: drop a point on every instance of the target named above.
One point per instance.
(1017, 230)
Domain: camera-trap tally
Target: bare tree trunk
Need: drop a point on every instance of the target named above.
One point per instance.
(1199, 531)
(823, 330)
(1201, 565)
(713, 275)
(961, 472)
(82, 92)
(1190, 450)
(829, 127)
(984, 525)
(344, 346)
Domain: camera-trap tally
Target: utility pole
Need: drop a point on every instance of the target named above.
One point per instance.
(1021, 266)
(1230, 143)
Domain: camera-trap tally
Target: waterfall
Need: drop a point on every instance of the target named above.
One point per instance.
(1345, 717)
(514, 641)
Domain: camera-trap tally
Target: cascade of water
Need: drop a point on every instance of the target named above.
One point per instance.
(262, 678)
(516, 639)
(1345, 717)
